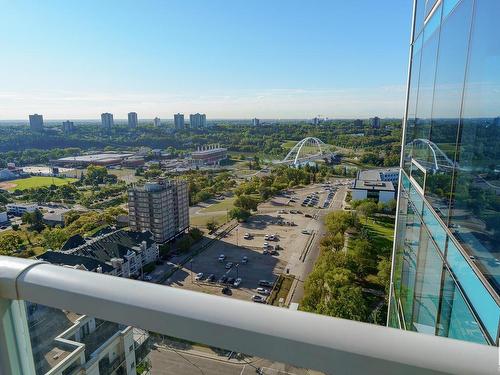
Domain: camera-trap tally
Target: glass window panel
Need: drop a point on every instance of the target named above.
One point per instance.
(483, 303)
(416, 200)
(393, 314)
(429, 4)
(419, 16)
(436, 230)
(475, 217)
(400, 239)
(456, 319)
(409, 264)
(432, 24)
(448, 6)
(418, 175)
(420, 147)
(448, 90)
(427, 286)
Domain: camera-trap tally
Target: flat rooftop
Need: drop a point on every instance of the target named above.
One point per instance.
(94, 157)
(209, 151)
(373, 185)
(374, 174)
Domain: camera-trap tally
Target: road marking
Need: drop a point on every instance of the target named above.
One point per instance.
(243, 369)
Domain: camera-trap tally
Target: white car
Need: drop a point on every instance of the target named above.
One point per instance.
(263, 291)
(266, 245)
(305, 231)
(147, 278)
(229, 265)
(237, 282)
(244, 260)
(257, 298)
(222, 257)
(266, 237)
(199, 276)
(272, 237)
(247, 236)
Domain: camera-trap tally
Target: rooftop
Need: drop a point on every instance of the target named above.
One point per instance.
(373, 185)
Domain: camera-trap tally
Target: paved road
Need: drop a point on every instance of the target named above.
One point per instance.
(168, 362)
(313, 254)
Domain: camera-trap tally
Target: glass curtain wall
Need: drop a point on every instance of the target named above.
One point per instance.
(446, 273)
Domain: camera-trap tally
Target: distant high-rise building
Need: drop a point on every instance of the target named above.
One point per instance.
(198, 120)
(358, 123)
(162, 207)
(446, 264)
(375, 122)
(107, 121)
(179, 121)
(132, 120)
(68, 126)
(496, 121)
(36, 122)
(157, 122)
(256, 122)
(316, 121)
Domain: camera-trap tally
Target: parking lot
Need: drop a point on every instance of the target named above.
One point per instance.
(294, 228)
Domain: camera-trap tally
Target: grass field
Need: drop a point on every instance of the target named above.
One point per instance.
(35, 182)
(202, 220)
(226, 204)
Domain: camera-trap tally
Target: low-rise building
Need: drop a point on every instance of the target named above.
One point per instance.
(126, 252)
(19, 209)
(380, 191)
(386, 174)
(209, 155)
(3, 217)
(55, 216)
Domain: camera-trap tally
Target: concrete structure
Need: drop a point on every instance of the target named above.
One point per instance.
(209, 155)
(380, 191)
(179, 121)
(132, 120)
(161, 207)
(55, 216)
(3, 217)
(107, 121)
(68, 126)
(198, 120)
(157, 122)
(124, 253)
(375, 122)
(36, 122)
(255, 122)
(20, 208)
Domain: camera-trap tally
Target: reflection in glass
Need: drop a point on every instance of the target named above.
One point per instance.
(456, 319)
(475, 217)
(447, 105)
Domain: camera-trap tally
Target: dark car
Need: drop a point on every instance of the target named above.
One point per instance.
(308, 215)
(211, 278)
(230, 280)
(223, 279)
(227, 291)
(265, 283)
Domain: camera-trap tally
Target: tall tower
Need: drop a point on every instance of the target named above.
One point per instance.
(179, 121)
(107, 121)
(36, 122)
(446, 258)
(132, 120)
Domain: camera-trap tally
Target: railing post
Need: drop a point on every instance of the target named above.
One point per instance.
(16, 356)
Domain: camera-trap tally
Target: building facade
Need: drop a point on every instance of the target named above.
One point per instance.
(36, 122)
(179, 121)
(255, 122)
(209, 155)
(132, 120)
(68, 126)
(161, 207)
(198, 120)
(446, 260)
(375, 122)
(107, 121)
(157, 122)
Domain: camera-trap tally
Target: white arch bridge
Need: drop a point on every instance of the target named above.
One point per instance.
(307, 150)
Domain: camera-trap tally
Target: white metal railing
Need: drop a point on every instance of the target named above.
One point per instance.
(335, 346)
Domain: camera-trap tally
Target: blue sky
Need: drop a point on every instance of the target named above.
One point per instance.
(228, 58)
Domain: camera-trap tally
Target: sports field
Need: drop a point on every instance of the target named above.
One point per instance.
(34, 182)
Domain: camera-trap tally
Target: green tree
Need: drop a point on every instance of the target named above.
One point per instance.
(246, 202)
(10, 243)
(239, 214)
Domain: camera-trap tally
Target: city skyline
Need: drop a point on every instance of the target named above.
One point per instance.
(329, 60)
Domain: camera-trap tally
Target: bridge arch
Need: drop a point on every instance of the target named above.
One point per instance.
(295, 155)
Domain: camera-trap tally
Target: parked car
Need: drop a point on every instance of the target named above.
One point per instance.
(229, 265)
(247, 236)
(272, 237)
(147, 278)
(210, 278)
(244, 260)
(230, 280)
(259, 299)
(237, 282)
(199, 276)
(223, 279)
(266, 237)
(222, 257)
(263, 291)
(226, 290)
(305, 231)
(265, 283)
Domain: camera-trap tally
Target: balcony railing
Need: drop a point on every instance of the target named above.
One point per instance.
(335, 346)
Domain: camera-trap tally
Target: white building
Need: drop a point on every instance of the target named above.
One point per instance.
(36, 122)
(198, 120)
(20, 208)
(179, 121)
(132, 120)
(107, 121)
(256, 122)
(157, 122)
(386, 174)
(380, 191)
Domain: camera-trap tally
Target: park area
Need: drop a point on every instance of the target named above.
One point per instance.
(34, 182)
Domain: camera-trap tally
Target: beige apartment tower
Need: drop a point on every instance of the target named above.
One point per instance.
(161, 207)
